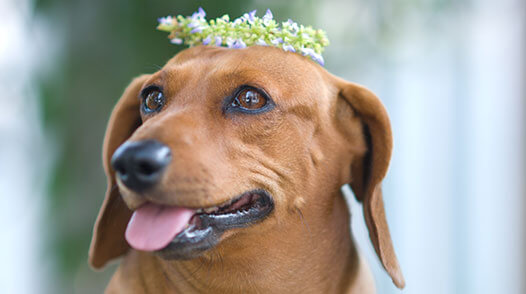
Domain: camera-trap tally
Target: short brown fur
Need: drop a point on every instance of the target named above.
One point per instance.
(323, 133)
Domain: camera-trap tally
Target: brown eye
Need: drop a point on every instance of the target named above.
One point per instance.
(154, 100)
(249, 99)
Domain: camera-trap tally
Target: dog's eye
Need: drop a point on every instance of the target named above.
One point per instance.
(249, 99)
(154, 100)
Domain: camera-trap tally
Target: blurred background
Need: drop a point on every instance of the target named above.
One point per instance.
(451, 73)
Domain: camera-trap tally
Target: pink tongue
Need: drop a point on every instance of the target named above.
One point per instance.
(153, 226)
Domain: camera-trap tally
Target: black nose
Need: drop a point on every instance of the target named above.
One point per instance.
(140, 165)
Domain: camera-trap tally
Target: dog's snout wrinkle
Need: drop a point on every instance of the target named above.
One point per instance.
(140, 165)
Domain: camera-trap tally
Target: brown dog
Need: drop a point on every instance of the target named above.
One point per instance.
(232, 165)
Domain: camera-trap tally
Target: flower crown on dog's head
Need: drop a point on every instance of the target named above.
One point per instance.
(244, 31)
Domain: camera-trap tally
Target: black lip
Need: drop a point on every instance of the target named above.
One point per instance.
(206, 229)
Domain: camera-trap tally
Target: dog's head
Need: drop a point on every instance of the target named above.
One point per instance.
(227, 140)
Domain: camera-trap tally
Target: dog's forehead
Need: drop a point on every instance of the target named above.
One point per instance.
(267, 59)
(262, 66)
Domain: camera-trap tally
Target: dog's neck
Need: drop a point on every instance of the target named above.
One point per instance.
(319, 258)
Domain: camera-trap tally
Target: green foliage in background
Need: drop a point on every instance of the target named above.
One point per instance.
(105, 44)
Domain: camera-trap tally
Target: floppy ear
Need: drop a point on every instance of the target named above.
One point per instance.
(108, 234)
(368, 170)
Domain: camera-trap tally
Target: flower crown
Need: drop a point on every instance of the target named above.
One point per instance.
(244, 31)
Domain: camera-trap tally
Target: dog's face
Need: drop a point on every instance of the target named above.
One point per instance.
(223, 144)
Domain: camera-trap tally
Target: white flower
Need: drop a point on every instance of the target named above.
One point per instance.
(261, 42)
(218, 41)
(196, 26)
(229, 42)
(176, 41)
(288, 47)
(292, 25)
(197, 30)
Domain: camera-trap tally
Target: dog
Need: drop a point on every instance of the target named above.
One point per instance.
(224, 172)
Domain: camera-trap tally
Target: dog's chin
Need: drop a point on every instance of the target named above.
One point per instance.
(206, 227)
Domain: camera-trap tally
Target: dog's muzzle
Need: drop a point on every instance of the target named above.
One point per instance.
(179, 232)
(140, 165)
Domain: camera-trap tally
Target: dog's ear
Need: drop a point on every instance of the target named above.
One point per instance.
(108, 234)
(369, 169)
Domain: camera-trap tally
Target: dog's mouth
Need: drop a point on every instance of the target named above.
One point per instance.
(183, 233)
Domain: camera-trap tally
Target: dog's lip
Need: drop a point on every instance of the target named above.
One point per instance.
(206, 226)
(200, 209)
(228, 203)
(236, 205)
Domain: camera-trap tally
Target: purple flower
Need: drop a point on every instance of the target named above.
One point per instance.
(167, 20)
(267, 17)
(251, 16)
(313, 55)
(207, 40)
(200, 13)
(288, 47)
(261, 42)
(196, 26)
(247, 17)
(318, 58)
(236, 44)
(219, 41)
(277, 41)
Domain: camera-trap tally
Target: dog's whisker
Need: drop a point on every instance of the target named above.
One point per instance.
(169, 281)
(182, 277)
(190, 279)
(156, 66)
(211, 260)
(201, 263)
(304, 222)
(221, 261)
